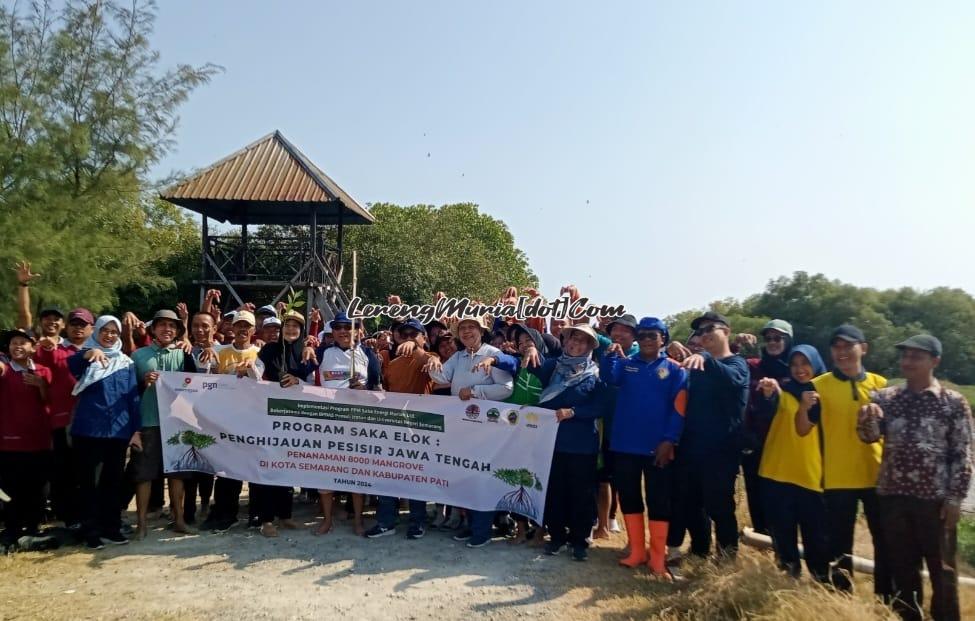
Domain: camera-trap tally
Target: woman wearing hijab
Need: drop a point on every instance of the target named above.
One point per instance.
(773, 363)
(569, 386)
(106, 421)
(282, 360)
(791, 469)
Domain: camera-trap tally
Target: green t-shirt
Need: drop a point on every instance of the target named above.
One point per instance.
(154, 358)
(528, 388)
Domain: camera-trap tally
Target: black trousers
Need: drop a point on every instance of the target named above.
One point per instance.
(916, 526)
(271, 501)
(226, 498)
(570, 501)
(201, 482)
(708, 494)
(23, 475)
(754, 491)
(630, 470)
(101, 462)
(65, 499)
(791, 509)
(841, 509)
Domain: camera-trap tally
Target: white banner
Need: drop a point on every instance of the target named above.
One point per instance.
(481, 455)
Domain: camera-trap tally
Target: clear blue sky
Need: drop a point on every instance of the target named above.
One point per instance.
(657, 154)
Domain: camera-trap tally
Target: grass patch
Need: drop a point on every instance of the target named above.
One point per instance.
(967, 391)
(966, 540)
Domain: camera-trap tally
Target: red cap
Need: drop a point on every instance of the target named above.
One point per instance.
(83, 314)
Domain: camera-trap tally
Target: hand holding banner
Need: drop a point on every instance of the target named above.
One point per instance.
(481, 455)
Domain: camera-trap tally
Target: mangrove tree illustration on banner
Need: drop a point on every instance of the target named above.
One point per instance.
(192, 459)
(520, 500)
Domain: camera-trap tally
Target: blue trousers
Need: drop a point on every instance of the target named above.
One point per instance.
(388, 507)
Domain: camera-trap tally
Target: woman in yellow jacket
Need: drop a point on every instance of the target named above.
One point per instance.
(791, 469)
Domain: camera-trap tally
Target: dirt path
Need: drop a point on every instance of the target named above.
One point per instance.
(297, 576)
(241, 575)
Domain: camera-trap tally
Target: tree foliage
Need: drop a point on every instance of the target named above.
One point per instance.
(815, 305)
(418, 250)
(85, 111)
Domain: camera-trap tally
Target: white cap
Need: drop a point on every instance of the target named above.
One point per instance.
(271, 321)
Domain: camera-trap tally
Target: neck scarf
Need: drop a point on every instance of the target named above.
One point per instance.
(859, 377)
(115, 359)
(569, 371)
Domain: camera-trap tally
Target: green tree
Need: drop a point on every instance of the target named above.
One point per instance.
(418, 250)
(85, 111)
(815, 305)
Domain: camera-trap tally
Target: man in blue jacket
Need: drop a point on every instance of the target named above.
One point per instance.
(710, 450)
(648, 421)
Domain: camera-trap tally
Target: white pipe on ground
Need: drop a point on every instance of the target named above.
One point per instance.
(863, 565)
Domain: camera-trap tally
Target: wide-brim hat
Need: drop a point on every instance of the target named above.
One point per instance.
(172, 316)
(585, 329)
(484, 322)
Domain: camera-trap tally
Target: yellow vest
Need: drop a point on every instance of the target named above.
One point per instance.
(848, 462)
(788, 457)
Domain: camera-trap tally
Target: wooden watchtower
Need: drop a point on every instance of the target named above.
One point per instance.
(271, 182)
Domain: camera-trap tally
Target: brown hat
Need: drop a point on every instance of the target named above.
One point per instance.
(294, 316)
(172, 316)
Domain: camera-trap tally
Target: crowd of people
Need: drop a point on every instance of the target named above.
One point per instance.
(655, 428)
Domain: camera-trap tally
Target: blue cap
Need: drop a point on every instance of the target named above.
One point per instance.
(341, 317)
(411, 323)
(652, 323)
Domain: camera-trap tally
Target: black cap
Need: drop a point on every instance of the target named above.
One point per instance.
(924, 342)
(51, 310)
(849, 333)
(626, 320)
(9, 335)
(712, 317)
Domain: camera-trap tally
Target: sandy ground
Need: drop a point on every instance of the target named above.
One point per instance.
(242, 575)
(297, 576)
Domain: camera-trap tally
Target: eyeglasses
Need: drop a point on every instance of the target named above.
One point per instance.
(651, 335)
(708, 329)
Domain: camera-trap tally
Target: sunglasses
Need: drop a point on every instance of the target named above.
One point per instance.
(651, 335)
(708, 329)
(409, 334)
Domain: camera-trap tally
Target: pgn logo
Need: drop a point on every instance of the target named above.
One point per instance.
(209, 385)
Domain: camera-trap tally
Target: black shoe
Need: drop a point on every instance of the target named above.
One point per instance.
(210, 523)
(253, 521)
(94, 543)
(116, 539)
(415, 532)
(464, 535)
(225, 525)
(552, 548)
(580, 553)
